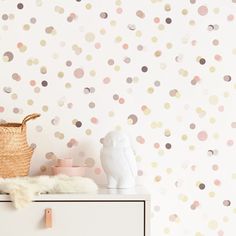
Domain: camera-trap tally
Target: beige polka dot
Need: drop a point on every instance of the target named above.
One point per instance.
(89, 37)
(213, 100)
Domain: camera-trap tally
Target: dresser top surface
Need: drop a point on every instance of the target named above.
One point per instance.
(138, 193)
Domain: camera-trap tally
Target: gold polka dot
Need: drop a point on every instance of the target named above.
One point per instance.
(68, 85)
(118, 39)
(158, 53)
(154, 39)
(191, 147)
(113, 23)
(198, 234)
(138, 158)
(226, 94)
(212, 224)
(212, 69)
(92, 73)
(150, 90)
(138, 33)
(154, 165)
(26, 27)
(184, 12)
(89, 57)
(158, 178)
(216, 10)
(118, 2)
(117, 68)
(169, 45)
(60, 74)
(35, 61)
(192, 22)
(45, 108)
(166, 231)
(14, 96)
(183, 197)
(102, 31)
(43, 43)
(212, 120)
(88, 6)
(167, 105)
(111, 113)
(167, 7)
(88, 131)
(161, 27)
(234, 176)
(213, 100)
(30, 102)
(211, 194)
(225, 219)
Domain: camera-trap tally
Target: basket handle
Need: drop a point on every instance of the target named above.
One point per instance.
(30, 117)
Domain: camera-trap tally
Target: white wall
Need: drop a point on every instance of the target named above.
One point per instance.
(185, 130)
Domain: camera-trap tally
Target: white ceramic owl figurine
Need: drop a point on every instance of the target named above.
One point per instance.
(118, 160)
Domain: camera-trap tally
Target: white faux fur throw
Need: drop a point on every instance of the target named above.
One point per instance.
(23, 189)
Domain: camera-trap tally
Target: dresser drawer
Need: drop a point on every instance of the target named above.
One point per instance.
(74, 218)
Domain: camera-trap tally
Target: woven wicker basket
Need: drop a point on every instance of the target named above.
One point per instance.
(15, 153)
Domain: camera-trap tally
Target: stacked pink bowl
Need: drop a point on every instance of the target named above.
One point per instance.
(65, 167)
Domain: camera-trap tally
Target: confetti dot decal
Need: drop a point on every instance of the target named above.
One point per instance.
(162, 71)
(79, 73)
(8, 56)
(202, 10)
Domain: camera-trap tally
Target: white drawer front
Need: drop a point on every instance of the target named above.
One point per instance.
(85, 218)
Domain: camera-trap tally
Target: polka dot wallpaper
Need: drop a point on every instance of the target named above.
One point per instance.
(162, 70)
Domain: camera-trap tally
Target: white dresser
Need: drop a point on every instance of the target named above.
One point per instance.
(105, 213)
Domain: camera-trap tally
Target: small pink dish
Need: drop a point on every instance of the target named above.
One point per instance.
(66, 162)
(70, 171)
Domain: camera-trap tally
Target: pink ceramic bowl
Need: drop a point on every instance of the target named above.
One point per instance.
(70, 171)
(67, 162)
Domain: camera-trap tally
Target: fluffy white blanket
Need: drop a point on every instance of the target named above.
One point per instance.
(23, 189)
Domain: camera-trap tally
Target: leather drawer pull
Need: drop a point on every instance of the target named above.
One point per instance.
(48, 218)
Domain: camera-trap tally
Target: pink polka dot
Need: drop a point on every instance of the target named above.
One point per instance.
(140, 139)
(202, 135)
(217, 182)
(97, 171)
(156, 20)
(94, 120)
(202, 10)
(2, 109)
(220, 233)
(230, 142)
(97, 45)
(230, 17)
(218, 57)
(125, 46)
(119, 10)
(19, 45)
(194, 43)
(140, 172)
(79, 73)
(121, 100)
(193, 167)
(221, 108)
(156, 145)
(196, 78)
(106, 80)
(32, 83)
